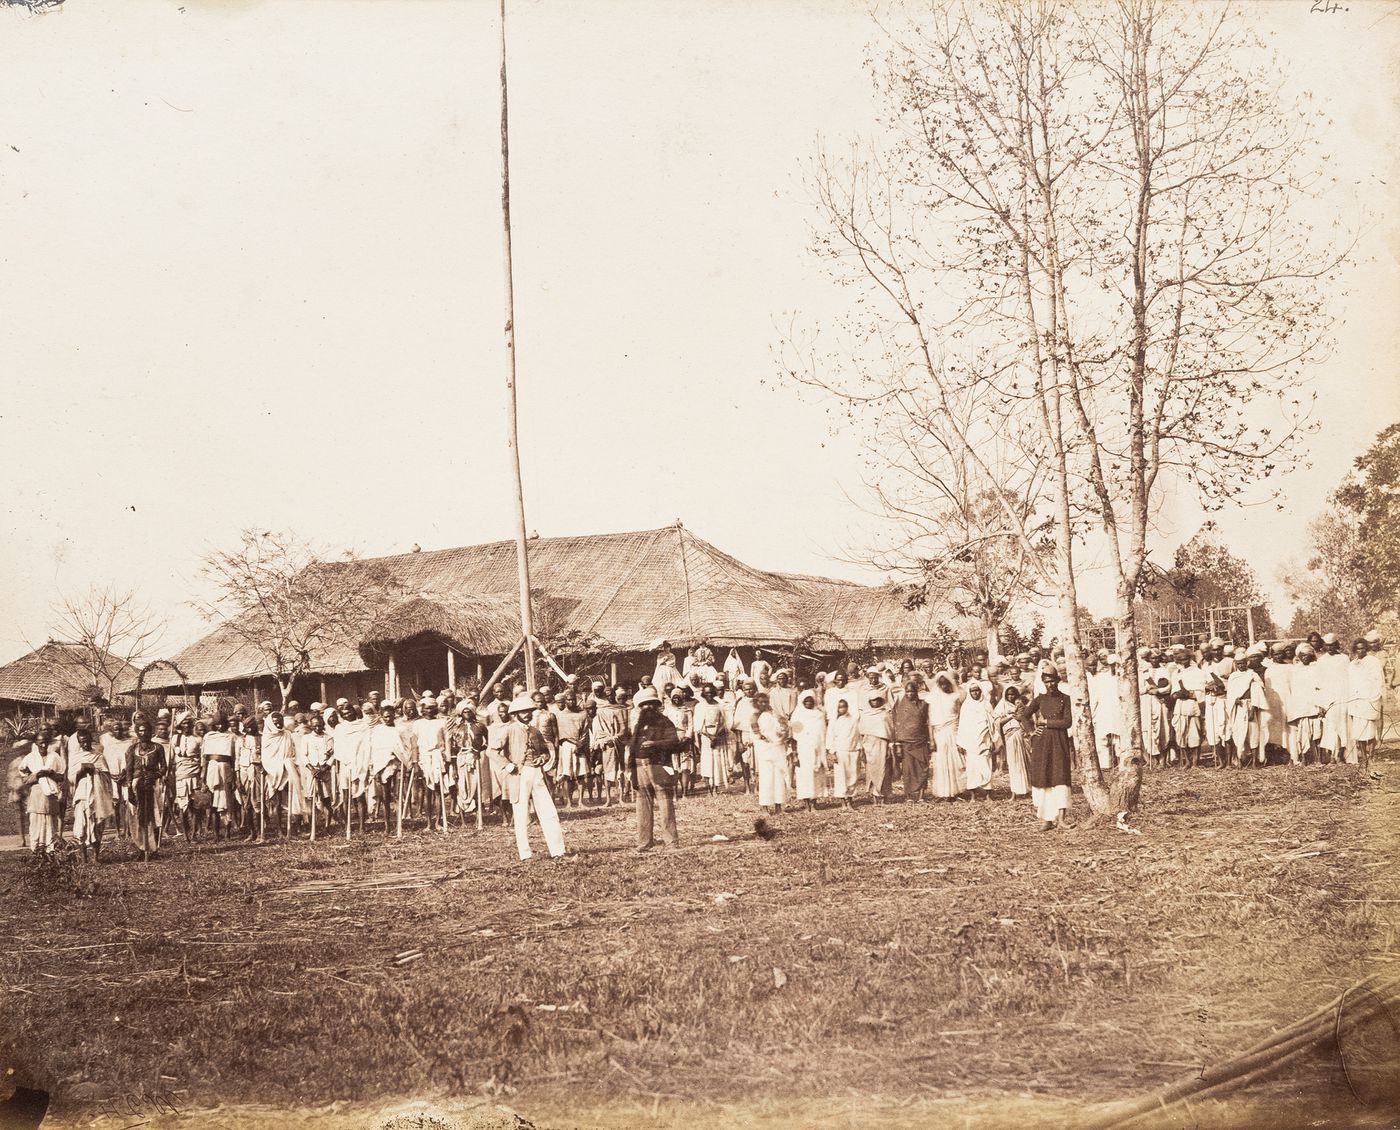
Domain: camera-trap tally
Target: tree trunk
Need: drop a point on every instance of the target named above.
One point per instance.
(993, 645)
(1128, 784)
(1091, 780)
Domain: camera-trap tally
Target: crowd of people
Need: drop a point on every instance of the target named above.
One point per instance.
(844, 734)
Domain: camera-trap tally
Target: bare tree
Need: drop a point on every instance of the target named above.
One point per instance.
(1091, 217)
(111, 634)
(290, 604)
(947, 530)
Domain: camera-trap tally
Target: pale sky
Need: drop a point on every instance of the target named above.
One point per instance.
(251, 258)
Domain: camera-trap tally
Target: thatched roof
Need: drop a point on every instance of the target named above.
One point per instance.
(58, 674)
(630, 589)
(474, 625)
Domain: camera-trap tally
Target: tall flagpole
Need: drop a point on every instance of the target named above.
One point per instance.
(522, 552)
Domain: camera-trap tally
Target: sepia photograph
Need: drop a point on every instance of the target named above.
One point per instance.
(700, 564)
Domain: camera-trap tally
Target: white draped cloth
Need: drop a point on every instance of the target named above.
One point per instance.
(351, 752)
(1245, 711)
(843, 743)
(220, 750)
(1365, 686)
(808, 729)
(1334, 676)
(946, 767)
(1106, 709)
(313, 754)
(975, 741)
(770, 754)
(711, 734)
(431, 737)
(92, 795)
(280, 768)
(1276, 693)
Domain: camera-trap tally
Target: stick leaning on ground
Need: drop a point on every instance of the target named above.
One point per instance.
(1268, 1056)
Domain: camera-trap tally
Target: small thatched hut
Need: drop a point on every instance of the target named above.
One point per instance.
(60, 677)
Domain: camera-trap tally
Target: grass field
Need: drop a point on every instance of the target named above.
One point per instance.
(910, 965)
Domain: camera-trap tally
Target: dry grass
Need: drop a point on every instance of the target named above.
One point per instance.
(930, 962)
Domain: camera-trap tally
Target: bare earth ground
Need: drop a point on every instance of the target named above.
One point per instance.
(914, 965)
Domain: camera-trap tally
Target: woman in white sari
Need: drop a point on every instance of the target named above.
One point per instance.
(808, 728)
(843, 745)
(711, 736)
(975, 740)
(770, 736)
(947, 763)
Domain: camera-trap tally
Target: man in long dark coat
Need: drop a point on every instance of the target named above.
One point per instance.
(911, 734)
(1047, 718)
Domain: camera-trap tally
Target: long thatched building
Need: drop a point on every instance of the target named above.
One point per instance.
(611, 595)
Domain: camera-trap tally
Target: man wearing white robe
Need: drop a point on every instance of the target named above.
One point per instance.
(113, 745)
(1106, 708)
(1277, 671)
(1304, 706)
(430, 736)
(1187, 712)
(92, 792)
(1366, 686)
(1244, 706)
(1216, 669)
(1333, 670)
(387, 761)
(44, 769)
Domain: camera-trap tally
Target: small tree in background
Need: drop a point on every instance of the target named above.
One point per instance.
(1329, 588)
(290, 604)
(577, 651)
(1350, 581)
(975, 534)
(1371, 493)
(111, 633)
(1206, 573)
